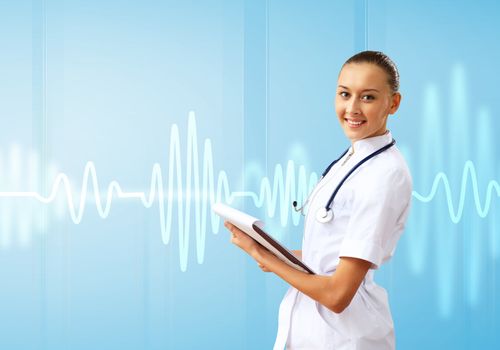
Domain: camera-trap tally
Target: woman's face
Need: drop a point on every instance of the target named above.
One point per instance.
(363, 100)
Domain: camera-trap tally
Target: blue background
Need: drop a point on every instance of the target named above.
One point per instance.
(240, 94)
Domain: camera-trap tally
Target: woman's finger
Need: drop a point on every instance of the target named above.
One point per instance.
(263, 268)
(231, 229)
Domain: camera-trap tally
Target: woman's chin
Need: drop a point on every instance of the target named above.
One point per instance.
(353, 135)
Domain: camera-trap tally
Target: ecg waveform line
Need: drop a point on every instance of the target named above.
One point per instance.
(184, 193)
(16, 213)
(468, 171)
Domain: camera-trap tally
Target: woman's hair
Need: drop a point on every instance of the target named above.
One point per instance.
(381, 60)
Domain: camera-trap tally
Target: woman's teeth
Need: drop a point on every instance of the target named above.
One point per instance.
(354, 124)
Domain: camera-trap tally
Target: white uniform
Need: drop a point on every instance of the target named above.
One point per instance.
(370, 211)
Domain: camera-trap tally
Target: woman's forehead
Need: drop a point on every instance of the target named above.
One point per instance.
(362, 76)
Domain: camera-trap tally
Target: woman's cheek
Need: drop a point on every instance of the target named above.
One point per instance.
(340, 113)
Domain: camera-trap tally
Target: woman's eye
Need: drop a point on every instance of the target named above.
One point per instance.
(368, 97)
(343, 94)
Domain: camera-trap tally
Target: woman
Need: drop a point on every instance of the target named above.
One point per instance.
(341, 307)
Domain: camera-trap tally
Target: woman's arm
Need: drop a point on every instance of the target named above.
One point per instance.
(297, 253)
(335, 291)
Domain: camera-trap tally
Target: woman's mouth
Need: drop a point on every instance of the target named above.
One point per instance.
(354, 123)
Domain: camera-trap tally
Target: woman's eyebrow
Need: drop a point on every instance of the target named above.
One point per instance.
(345, 87)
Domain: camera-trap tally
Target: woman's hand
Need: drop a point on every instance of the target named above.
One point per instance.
(245, 242)
(263, 268)
(241, 239)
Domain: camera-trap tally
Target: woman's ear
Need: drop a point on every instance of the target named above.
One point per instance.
(395, 101)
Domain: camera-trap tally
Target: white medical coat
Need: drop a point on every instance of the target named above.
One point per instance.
(370, 211)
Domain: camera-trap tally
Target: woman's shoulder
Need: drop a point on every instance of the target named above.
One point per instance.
(396, 161)
(390, 168)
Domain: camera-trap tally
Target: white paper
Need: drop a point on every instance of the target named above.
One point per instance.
(238, 218)
(245, 223)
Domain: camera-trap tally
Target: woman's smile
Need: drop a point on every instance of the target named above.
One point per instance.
(354, 124)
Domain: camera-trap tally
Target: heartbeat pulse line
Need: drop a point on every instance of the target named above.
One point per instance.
(201, 193)
(469, 171)
(285, 187)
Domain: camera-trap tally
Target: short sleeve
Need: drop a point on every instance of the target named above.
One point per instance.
(378, 215)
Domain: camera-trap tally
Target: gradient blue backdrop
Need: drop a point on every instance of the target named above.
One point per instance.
(111, 81)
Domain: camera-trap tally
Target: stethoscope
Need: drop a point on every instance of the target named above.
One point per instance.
(325, 213)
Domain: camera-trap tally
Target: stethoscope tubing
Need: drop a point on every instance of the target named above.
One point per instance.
(367, 158)
(327, 213)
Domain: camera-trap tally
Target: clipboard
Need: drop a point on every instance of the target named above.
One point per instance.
(255, 229)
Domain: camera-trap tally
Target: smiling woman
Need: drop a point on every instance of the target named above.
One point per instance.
(341, 307)
(367, 93)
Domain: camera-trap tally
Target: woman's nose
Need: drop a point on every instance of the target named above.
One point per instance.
(353, 107)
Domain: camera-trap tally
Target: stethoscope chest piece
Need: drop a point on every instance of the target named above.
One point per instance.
(323, 215)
